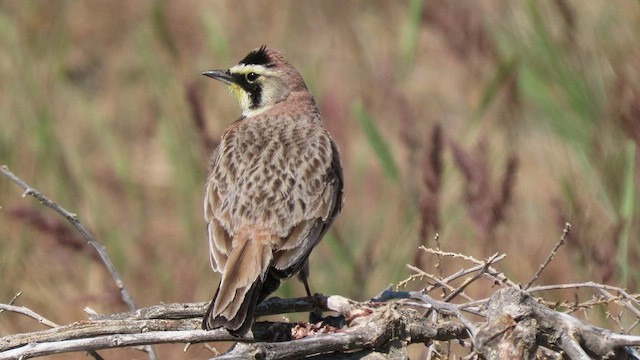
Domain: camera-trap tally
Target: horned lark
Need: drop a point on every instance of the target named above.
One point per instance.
(274, 187)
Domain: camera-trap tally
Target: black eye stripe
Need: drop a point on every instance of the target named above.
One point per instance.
(254, 89)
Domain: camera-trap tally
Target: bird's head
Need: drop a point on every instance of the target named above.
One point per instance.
(262, 79)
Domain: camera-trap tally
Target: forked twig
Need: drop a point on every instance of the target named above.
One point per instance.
(471, 279)
(12, 301)
(419, 273)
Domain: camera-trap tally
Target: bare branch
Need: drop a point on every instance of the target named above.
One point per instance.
(629, 303)
(590, 284)
(271, 306)
(73, 219)
(378, 331)
(28, 312)
(368, 329)
(468, 281)
(419, 273)
(491, 272)
(446, 309)
(563, 238)
(452, 254)
(12, 301)
(509, 307)
(111, 341)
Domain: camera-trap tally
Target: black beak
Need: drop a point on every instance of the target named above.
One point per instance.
(222, 75)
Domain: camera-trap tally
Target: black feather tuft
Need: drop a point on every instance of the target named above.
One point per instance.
(257, 57)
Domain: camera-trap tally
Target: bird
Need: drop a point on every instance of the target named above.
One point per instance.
(273, 189)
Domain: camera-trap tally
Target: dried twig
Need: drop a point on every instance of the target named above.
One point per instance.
(629, 303)
(492, 273)
(28, 312)
(73, 219)
(563, 238)
(468, 281)
(108, 342)
(446, 308)
(12, 301)
(590, 284)
(436, 239)
(484, 268)
(437, 282)
(511, 307)
(452, 254)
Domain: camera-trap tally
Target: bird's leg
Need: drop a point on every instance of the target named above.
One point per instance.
(303, 275)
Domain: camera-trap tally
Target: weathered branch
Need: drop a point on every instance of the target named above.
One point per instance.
(369, 329)
(28, 312)
(380, 331)
(517, 323)
(165, 317)
(111, 341)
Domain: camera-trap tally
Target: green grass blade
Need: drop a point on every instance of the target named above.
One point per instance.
(409, 40)
(161, 28)
(218, 39)
(627, 209)
(505, 70)
(376, 140)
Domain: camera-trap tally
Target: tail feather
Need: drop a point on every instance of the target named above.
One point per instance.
(241, 323)
(244, 273)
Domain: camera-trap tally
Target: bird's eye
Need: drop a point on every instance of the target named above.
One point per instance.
(251, 77)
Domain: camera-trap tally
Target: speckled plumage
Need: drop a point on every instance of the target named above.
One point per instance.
(273, 189)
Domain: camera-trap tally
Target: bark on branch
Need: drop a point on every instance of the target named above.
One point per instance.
(378, 328)
(517, 324)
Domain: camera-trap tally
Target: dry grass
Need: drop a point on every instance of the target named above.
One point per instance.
(103, 109)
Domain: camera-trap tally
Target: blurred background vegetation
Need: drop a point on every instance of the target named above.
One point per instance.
(489, 122)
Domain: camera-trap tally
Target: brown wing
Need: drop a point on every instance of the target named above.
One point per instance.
(314, 224)
(219, 239)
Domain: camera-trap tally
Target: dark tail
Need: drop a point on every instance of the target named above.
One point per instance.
(241, 323)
